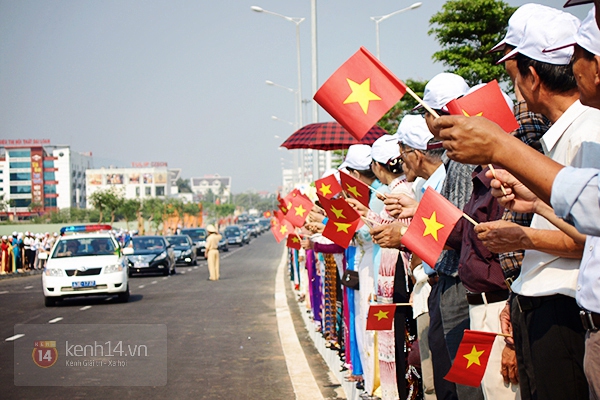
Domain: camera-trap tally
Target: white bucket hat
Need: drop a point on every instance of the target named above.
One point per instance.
(385, 149)
(413, 132)
(443, 88)
(547, 31)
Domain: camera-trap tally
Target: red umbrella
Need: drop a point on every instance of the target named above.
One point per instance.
(328, 136)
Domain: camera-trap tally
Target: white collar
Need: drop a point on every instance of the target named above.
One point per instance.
(553, 135)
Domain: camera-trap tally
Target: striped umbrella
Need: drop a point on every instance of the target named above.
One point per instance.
(328, 136)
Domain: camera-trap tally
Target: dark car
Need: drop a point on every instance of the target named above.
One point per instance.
(198, 236)
(150, 254)
(245, 234)
(184, 249)
(265, 224)
(253, 228)
(234, 235)
(223, 245)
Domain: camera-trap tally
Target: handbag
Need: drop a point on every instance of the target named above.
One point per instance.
(350, 279)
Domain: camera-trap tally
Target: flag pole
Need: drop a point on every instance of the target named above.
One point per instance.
(491, 167)
(421, 102)
(471, 220)
(377, 191)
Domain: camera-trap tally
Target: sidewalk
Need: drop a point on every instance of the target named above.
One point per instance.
(21, 274)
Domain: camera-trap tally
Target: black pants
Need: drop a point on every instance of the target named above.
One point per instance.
(550, 344)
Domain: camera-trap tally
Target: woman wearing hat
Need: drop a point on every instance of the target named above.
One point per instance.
(212, 252)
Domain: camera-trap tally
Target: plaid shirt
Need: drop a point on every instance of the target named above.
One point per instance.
(532, 128)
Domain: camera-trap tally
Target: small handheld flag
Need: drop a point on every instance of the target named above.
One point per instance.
(356, 188)
(471, 358)
(328, 186)
(380, 317)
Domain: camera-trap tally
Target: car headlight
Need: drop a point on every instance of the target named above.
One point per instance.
(187, 252)
(53, 272)
(109, 269)
(161, 256)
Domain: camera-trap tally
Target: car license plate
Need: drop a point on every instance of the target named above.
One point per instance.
(83, 284)
(139, 264)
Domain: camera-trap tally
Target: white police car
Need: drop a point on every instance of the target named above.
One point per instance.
(85, 260)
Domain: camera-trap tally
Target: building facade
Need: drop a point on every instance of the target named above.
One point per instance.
(220, 186)
(36, 177)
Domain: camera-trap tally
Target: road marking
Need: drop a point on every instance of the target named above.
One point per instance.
(52, 321)
(13, 338)
(28, 287)
(166, 277)
(141, 286)
(85, 308)
(196, 267)
(154, 282)
(182, 272)
(304, 383)
(4, 292)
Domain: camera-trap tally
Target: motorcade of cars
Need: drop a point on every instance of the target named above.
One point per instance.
(234, 235)
(184, 249)
(223, 245)
(150, 254)
(85, 260)
(265, 224)
(198, 236)
(253, 228)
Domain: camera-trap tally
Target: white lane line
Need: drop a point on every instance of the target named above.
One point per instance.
(4, 292)
(304, 383)
(55, 320)
(142, 286)
(13, 338)
(166, 277)
(154, 282)
(196, 267)
(85, 308)
(28, 287)
(182, 272)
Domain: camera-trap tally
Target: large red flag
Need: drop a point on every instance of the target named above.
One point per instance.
(430, 227)
(360, 92)
(381, 317)
(355, 188)
(300, 206)
(341, 233)
(471, 358)
(328, 186)
(487, 102)
(293, 241)
(280, 226)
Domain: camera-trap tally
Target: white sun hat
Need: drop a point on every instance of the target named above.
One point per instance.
(588, 36)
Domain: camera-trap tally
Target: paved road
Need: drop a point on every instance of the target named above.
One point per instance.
(222, 336)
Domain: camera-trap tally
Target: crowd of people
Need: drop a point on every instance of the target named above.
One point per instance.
(521, 272)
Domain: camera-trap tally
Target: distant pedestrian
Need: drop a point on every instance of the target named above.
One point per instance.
(212, 252)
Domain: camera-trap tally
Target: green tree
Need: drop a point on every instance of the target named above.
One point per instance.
(466, 31)
(392, 118)
(99, 200)
(129, 209)
(183, 185)
(153, 210)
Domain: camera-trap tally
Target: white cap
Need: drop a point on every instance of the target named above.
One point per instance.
(358, 157)
(517, 22)
(4, 237)
(413, 132)
(385, 149)
(443, 88)
(588, 36)
(546, 31)
(14, 233)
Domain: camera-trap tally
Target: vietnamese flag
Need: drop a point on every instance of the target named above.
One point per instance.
(293, 241)
(300, 206)
(281, 227)
(430, 227)
(340, 232)
(267, 214)
(356, 188)
(471, 358)
(339, 210)
(360, 92)
(487, 102)
(328, 186)
(381, 317)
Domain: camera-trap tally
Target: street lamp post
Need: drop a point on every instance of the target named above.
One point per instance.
(384, 17)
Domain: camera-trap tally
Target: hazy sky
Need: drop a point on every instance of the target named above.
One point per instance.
(184, 81)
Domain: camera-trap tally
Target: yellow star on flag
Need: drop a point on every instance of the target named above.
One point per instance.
(432, 226)
(300, 210)
(295, 239)
(467, 115)
(283, 229)
(353, 190)
(361, 94)
(342, 227)
(289, 206)
(338, 213)
(473, 356)
(325, 189)
(381, 315)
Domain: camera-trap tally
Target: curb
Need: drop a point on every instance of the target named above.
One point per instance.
(21, 274)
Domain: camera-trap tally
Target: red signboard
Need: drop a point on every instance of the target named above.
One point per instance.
(149, 164)
(37, 176)
(24, 142)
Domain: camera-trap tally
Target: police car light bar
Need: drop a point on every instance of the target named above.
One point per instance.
(84, 228)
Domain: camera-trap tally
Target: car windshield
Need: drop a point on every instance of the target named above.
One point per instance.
(178, 240)
(148, 243)
(232, 231)
(80, 247)
(195, 234)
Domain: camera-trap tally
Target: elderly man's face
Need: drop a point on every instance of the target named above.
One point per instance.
(409, 158)
(586, 74)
